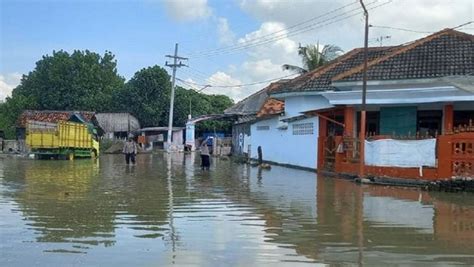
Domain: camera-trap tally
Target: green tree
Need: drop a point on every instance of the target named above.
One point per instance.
(82, 80)
(188, 100)
(146, 96)
(313, 58)
(11, 109)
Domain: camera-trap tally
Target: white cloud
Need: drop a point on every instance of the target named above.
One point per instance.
(264, 62)
(222, 78)
(7, 83)
(188, 10)
(283, 44)
(423, 15)
(226, 36)
(190, 83)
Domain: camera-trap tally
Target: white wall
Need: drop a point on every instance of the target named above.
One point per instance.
(294, 105)
(282, 146)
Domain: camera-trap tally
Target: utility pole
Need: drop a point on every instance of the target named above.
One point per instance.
(174, 66)
(364, 95)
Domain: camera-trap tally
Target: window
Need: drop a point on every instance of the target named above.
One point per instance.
(398, 121)
(372, 123)
(303, 128)
(463, 117)
(263, 128)
(429, 122)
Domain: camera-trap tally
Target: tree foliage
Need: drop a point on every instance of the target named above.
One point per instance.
(82, 80)
(312, 57)
(146, 96)
(88, 81)
(11, 109)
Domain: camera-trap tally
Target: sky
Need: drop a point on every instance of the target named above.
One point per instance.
(228, 42)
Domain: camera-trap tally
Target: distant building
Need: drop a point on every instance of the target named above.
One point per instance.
(245, 112)
(156, 137)
(117, 125)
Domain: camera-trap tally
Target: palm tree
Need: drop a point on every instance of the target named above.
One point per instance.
(313, 58)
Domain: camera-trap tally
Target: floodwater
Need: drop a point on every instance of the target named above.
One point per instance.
(166, 211)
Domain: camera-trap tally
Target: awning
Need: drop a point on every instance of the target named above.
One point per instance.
(400, 96)
(297, 118)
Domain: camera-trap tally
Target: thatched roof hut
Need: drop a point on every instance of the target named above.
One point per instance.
(117, 122)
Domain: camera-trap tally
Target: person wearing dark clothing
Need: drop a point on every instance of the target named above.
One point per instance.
(205, 156)
(130, 150)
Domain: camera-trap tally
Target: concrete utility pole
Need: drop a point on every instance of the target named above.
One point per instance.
(174, 66)
(364, 94)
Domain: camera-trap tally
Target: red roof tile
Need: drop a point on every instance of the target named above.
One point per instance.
(50, 116)
(271, 107)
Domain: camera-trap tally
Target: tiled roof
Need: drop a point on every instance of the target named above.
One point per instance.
(320, 79)
(50, 116)
(271, 107)
(444, 53)
(253, 103)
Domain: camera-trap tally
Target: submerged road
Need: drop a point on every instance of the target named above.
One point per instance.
(166, 211)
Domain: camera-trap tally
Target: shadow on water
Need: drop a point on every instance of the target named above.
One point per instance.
(165, 210)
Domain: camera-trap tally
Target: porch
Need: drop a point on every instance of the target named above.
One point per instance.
(425, 141)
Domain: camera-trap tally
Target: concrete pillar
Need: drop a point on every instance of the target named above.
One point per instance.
(349, 121)
(190, 135)
(323, 128)
(448, 118)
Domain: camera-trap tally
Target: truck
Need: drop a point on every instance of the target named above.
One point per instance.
(62, 140)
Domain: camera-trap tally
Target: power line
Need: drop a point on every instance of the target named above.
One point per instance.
(399, 29)
(237, 85)
(205, 78)
(272, 38)
(462, 25)
(417, 31)
(275, 32)
(299, 31)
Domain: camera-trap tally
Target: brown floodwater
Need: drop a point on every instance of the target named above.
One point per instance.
(166, 211)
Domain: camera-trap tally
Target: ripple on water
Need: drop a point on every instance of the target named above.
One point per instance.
(166, 211)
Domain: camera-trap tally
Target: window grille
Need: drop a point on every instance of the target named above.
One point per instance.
(303, 128)
(263, 128)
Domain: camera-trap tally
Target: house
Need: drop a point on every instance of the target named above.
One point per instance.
(117, 125)
(286, 127)
(422, 90)
(156, 137)
(245, 112)
(420, 112)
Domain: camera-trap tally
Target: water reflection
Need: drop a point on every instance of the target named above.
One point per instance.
(166, 211)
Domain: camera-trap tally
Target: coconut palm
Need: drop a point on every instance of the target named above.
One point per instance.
(313, 58)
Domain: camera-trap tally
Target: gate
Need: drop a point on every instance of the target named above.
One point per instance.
(462, 155)
(330, 147)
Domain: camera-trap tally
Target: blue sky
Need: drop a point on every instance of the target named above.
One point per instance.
(141, 33)
(138, 33)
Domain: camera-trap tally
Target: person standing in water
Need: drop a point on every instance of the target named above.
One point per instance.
(130, 150)
(205, 156)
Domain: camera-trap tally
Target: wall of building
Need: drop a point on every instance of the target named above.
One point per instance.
(240, 138)
(294, 105)
(293, 146)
